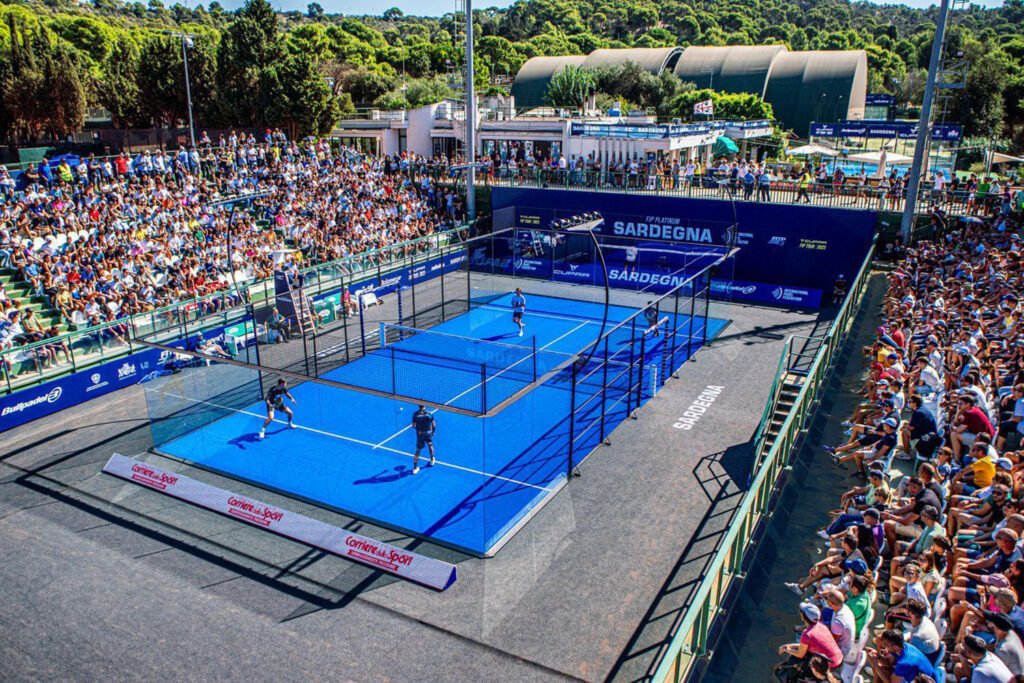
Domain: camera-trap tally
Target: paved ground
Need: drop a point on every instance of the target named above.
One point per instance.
(762, 618)
(100, 578)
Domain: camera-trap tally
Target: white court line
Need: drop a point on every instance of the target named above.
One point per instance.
(348, 438)
(476, 386)
(508, 309)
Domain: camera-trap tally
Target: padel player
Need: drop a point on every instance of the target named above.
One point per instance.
(631, 255)
(651, 314)
(275, 401)
(518, 308)
(423, 423)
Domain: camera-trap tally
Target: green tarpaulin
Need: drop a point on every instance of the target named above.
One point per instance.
(725, 147)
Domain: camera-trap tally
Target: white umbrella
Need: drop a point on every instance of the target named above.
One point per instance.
(881, 157)
(812, 150)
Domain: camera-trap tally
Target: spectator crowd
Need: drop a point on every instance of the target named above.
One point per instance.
(922, 569)
(826, 182)
(102, 239)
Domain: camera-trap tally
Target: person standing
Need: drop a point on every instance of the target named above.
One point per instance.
(275, 401)
(424, 425)
(518, 309)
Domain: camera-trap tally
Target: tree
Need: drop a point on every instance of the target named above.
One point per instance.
(365, 85)
(118, 89)
(393, 14)
(66, 98)
(570, 87)
(306, 105)
(251, 52)
(315, 10)
(736, 106)
(981, 100)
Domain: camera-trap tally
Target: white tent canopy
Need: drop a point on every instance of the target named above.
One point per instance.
(812, 150)
(999, 158)
(882, 157)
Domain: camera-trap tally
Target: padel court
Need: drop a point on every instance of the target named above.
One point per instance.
(515, 413)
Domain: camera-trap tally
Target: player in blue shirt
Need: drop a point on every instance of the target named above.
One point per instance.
(423, 423)
(518, 308)
(275, 401)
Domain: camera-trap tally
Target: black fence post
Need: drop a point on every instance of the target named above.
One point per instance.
(675, 332)
(689, 332)
(394, 371)
(412, 286)
(572, 421)
(632, 360)
(604, 393)
(707, 310)
(640, 383)
(362, 327)
(483, 387)
(443, 300)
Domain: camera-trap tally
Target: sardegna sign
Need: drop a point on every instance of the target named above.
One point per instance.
(368, 551)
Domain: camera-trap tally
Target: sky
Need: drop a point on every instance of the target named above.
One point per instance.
(439, 7)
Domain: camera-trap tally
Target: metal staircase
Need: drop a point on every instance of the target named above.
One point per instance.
(789, 379)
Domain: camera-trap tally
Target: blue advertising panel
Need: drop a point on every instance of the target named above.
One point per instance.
(800, 249)
(879, 100)
(44, 399)
(903, 130)
(47, 398)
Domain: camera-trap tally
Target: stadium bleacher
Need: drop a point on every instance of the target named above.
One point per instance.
(922, 572)
(86, 242)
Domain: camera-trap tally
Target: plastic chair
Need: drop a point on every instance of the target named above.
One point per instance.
(940, 670)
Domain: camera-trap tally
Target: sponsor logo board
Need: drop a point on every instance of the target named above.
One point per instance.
(364, 550)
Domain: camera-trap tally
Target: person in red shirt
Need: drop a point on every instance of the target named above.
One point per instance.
(970, 422)
(816, 639)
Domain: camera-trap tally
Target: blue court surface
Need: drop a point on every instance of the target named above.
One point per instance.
(354, 451)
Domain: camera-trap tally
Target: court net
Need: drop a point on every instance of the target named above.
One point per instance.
(478, 374)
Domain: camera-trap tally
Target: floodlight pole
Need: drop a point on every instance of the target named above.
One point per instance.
(233, 202)
(186, 38)
(589, 228)
(470, 117)
(923, 131)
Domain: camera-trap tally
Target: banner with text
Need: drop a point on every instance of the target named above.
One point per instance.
(364, 550)
(784, 250)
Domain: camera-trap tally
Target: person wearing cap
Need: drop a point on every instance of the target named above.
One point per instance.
(970, 421)
(816, 639)
(894, 660)
(878, 453)
(984, 514)
(1008, 647)
(973, 661)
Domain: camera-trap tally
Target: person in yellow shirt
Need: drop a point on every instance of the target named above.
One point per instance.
(804, 182)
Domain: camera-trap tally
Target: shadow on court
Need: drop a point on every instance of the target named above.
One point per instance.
(722, 476)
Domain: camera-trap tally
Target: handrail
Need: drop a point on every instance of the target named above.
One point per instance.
(711, 185)
(773, 398)
(690, 640)
(390, 258)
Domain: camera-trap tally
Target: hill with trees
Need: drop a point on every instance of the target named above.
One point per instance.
(302, 70)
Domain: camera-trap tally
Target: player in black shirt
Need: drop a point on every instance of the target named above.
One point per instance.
(651, 315)
(275, 401)
(423, 423)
